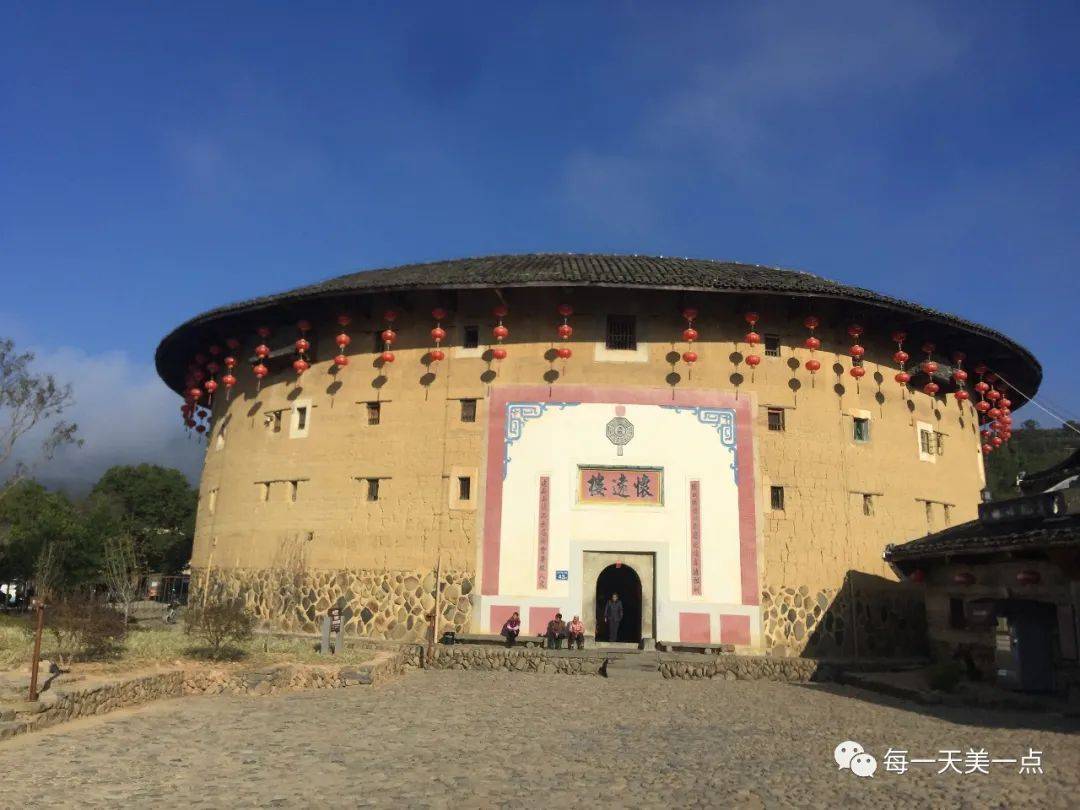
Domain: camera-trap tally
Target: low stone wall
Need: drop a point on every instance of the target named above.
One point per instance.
(745, 668)
(483, 657)
(382, 604)
(70, 702)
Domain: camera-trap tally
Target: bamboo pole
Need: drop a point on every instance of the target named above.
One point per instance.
(438, 611)
(39, 608)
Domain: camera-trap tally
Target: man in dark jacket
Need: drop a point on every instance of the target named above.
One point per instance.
(613, 615)
(556, 632)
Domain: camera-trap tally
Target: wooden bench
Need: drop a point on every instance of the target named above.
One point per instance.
(496, 639)
(697, 647)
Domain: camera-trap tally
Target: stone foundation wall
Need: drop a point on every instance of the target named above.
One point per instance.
(518, 660)
(745, 668)
(386, 604)
(75, 701)
(873, 621)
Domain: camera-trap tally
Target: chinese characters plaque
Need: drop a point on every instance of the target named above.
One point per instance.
(543, 533)
(638, 486)
(695, 538)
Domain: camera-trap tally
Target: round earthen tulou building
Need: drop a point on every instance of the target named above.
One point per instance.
(729, 447)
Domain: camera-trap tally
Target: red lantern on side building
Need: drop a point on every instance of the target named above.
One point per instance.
(500, 332)
(963, 578)
(918, 576)
(1029, 577)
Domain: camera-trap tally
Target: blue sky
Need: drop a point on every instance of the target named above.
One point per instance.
(160, 159)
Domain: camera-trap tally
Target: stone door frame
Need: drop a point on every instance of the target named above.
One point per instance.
(644, 565)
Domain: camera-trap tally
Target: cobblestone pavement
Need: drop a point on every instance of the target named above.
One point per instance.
(472, 739)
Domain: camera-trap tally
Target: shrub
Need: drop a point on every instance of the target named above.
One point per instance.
(83, 628)
(945, 676)
(221, 625)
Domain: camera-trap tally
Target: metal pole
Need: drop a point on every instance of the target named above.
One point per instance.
(39, 608)
(438, 610)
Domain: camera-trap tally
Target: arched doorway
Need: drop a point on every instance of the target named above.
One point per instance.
(623, 580)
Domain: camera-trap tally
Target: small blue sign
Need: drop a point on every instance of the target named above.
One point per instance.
(562, 575)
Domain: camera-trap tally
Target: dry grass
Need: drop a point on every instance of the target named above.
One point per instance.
(149, 646)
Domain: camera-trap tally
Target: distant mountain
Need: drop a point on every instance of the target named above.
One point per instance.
(1031, 449)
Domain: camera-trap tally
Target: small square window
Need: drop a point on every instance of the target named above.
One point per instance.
(776, 419)
(948, 514)
(929, 516)
(862, 429)
(772, 345)
(301, 418)
(464, 488)
(468, 410)
(374, 413)
(622, 332)
(294, 490)
(373, 489)
(776, 498)
(264, 491)
(939, 443)
(272, 421)
(926, 441)
(868, 504)
(471, 338)
(211, 503)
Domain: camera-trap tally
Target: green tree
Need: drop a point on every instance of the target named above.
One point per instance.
(155, 506)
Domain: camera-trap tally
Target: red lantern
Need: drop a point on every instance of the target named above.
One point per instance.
(898, 336)
(1004, 403)
(342, 340)
(996, 441)
(753, 360)
(262, 351)
(230, 362)
(300, 365)
(690, 313)
(813, 366)
(858, 372)
(343, 320)
(982, 407)
(438, 334)
(437, 355)
(566, 310)
(987, 449)
(857, 350)
(439, 314)
(195, 394)
(210, 387)
(260, 370)
(390, 315)
(387, 357)
(500, 332)
(961, 395)
(929, 367)
(564, 353)
(902, 377)
(229, 381)
(994, 413)
(388, 336)
(565, 331)
(302, 345)
(855, 330)
(753, 338)
(341, 361)
(917, 576)
(993, 395)
(501, 311)
(751, 318)
(901, 357)
(303, 326)
(690, 357)
(1028, 577)
(931, 388)
(960, 375)
(812, 343)
(233, 344)
(811, 322)
(690, 335)
(498, 353)
(963, 578)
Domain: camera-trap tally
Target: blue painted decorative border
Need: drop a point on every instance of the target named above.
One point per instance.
(723, 420)
(517, 414)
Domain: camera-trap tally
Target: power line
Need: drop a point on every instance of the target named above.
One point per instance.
(1040, 406)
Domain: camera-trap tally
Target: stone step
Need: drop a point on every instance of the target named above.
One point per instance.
(637, 665)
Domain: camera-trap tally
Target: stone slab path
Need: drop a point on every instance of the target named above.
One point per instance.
(478, 739)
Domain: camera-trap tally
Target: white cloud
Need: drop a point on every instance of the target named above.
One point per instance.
(125, 414)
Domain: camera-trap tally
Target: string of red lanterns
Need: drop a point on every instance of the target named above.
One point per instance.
(388, 336)
(565, 331)
(901, 357)
(857, 351)
(753, 338)
(960, 377)
(438, 334)
(229, 379)
(342, 340)
(500, 332)
(813, 343)
(690, 334)
(262, 351)
(929, 368)
(301, 364)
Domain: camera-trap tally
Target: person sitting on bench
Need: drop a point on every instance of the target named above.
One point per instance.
(511, 627)
(575, 631)
(556, 632)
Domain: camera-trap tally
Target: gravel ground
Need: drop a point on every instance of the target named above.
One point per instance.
(471, 739)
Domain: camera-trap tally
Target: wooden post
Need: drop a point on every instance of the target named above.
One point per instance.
(438, 594)
(39, 608)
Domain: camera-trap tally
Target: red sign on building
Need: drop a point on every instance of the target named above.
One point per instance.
(635, 486)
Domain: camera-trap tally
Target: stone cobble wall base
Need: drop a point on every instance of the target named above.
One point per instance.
(485, 657)
(57, 706)
(745, 668)
(385, 604)
(860, 620)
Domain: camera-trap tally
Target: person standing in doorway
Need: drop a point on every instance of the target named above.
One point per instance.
(613, 613)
